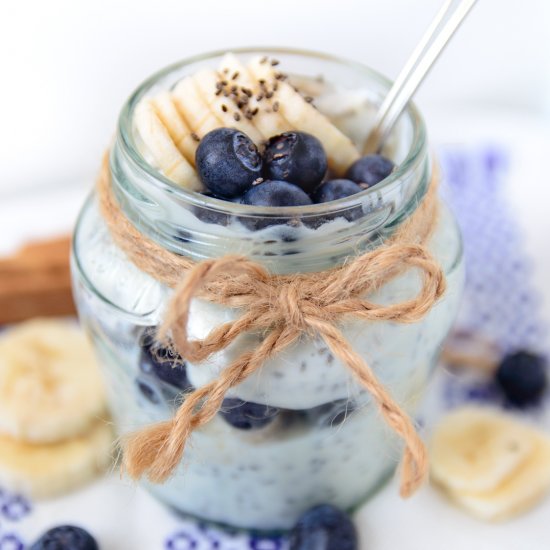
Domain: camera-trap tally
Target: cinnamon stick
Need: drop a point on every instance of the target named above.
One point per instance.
(36, 281)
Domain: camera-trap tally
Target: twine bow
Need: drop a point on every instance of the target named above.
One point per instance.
(283, 308)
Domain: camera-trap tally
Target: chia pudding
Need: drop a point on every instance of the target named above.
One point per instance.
(300, 431)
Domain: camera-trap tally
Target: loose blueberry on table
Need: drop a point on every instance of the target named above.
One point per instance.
(290, 172)
(324, 527)
(523, 377)
(65, 537)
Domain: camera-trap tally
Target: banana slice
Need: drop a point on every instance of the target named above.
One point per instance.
(176, 126)
(47, 470)
(222, 107)
(309, 86)
(527, 486)
(269, 122)
(475, 450)
(160, 145)
(340, 150)
(50, 384)
(191, 106)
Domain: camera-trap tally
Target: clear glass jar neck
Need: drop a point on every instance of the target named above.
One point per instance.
(202, 227)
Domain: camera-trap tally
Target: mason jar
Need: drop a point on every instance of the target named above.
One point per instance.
(318, 436)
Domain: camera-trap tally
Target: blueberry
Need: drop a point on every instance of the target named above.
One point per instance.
(182, 236)
(370, 170)
(295, 157)
(228, 162)
(522, 377)
(65, 537)
(333, 190)
(208, 215)
(324, 527)
(331, 414)
(149, 390)
(161, 362)
(273, 193)
(245, 415)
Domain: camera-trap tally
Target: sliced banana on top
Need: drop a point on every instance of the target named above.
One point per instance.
(489, 463)
(269, 122)
(193, 108)
(175, 124)
(254, 99)
(50, 384)
(207, 82)
(340, 150)
(162, 148)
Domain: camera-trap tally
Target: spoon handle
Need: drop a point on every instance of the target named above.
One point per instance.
(436, 37)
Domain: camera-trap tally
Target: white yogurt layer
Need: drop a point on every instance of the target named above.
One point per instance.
(265, 479)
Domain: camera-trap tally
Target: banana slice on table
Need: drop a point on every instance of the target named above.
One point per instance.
(523, 490)
(489, 463)
(268, 121)
(47, 470)
(50, 384)
(340, 150)
(475, 449)
(159, 143)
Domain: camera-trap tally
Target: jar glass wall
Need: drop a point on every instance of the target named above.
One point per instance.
(320, 437)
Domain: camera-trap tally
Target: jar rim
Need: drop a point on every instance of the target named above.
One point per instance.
(131, 151)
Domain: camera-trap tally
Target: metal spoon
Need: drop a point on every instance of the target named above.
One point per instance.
(438, 34)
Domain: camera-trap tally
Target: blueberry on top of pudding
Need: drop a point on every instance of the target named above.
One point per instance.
(228, 162)
(370, 170)
(273, 193)
(276, 193)
(296, 157)
(333, 190)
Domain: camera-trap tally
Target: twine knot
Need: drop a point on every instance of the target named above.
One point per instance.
(294, 306)
(283, 308)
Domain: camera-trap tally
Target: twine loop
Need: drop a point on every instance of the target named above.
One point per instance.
(283, 308)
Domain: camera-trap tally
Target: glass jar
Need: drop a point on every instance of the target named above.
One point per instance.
(320, 438)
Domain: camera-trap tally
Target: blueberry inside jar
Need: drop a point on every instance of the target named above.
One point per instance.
(260, 154)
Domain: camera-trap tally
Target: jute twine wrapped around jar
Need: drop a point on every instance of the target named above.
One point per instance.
(284, 308)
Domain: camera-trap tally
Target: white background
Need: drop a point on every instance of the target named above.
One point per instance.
(67, 66)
